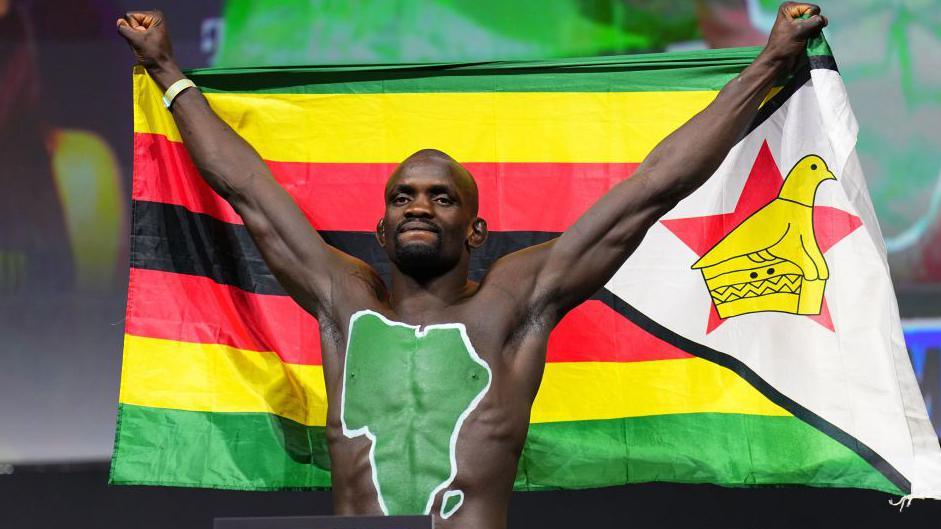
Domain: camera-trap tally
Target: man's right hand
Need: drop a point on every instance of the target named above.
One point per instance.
(146, 32)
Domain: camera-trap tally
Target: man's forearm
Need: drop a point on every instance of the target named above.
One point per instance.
(225, 160)
(300, 259)
(685, 159)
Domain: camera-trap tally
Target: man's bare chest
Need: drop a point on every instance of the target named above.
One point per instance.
(408, 389)
(426, 395)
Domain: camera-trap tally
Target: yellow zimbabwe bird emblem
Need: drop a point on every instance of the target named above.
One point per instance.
(771, 261)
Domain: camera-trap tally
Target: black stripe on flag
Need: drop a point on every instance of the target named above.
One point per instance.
(170, 238)
(797, 80)
(822, 62)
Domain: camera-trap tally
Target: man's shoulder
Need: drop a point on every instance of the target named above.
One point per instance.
(512, 288)
(504, 316)
(356, 285)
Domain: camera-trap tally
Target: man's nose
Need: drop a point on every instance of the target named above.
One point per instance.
(420, 207)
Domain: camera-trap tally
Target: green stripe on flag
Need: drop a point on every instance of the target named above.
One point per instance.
(723, 449)
(158, 446)
(694, 70)
(245, 451)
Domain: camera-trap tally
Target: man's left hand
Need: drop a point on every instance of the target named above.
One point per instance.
(795, 24)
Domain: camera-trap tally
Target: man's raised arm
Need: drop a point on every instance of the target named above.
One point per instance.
(303, 263)
(567, 270)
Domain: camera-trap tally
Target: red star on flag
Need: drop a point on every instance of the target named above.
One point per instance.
(764, 182)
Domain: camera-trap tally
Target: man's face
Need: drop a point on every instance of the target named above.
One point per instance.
(429, 218)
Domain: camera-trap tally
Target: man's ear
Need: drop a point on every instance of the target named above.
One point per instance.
(381, 232)
(478, 233)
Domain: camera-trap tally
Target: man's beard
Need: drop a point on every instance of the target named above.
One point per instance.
(416, 259)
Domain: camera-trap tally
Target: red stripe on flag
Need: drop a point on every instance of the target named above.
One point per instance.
(196, 309)
(349, 196)
(593, 332)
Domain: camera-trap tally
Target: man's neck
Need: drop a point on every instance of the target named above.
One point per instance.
(420, 298)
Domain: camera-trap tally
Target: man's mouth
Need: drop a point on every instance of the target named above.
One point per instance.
(418, 225)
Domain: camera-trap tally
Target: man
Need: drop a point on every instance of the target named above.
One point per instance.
(430, 379)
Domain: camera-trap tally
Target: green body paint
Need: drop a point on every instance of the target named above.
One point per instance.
(408, 390)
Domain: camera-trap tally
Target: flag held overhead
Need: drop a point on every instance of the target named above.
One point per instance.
(739, 382)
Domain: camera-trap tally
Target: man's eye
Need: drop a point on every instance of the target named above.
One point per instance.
(444, 201)
(400, 200)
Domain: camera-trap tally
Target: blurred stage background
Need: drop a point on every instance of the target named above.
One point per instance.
(65, 150)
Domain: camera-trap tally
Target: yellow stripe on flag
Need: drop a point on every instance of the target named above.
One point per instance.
(209, 377)
(206, 377)
(473, 127)
(574, 391)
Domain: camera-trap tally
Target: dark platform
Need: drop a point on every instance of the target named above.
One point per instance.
(325, 522)
(77, 496)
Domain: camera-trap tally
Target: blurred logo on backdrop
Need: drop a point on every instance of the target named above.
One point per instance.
(62, 209)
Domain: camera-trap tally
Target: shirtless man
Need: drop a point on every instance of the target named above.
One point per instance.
(386, 348)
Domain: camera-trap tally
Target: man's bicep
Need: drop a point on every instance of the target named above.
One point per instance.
(590, 252)
(547, 280)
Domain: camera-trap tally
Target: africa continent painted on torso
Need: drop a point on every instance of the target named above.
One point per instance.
(408, 390)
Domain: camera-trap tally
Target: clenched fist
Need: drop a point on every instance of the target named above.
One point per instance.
(795, 24)
(146, 32)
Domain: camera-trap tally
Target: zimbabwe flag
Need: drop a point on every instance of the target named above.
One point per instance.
(802, 380)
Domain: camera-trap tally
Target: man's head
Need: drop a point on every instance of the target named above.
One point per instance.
(431, 221)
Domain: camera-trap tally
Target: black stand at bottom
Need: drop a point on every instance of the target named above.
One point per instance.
(326, 522)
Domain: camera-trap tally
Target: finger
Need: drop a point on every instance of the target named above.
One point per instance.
(125, 29)
(131, 18)
(795, 10)
(151, 18)
(810, 9)
(812, 25)
(139, 21)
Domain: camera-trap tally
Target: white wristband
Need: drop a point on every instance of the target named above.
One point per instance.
(175, 89)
